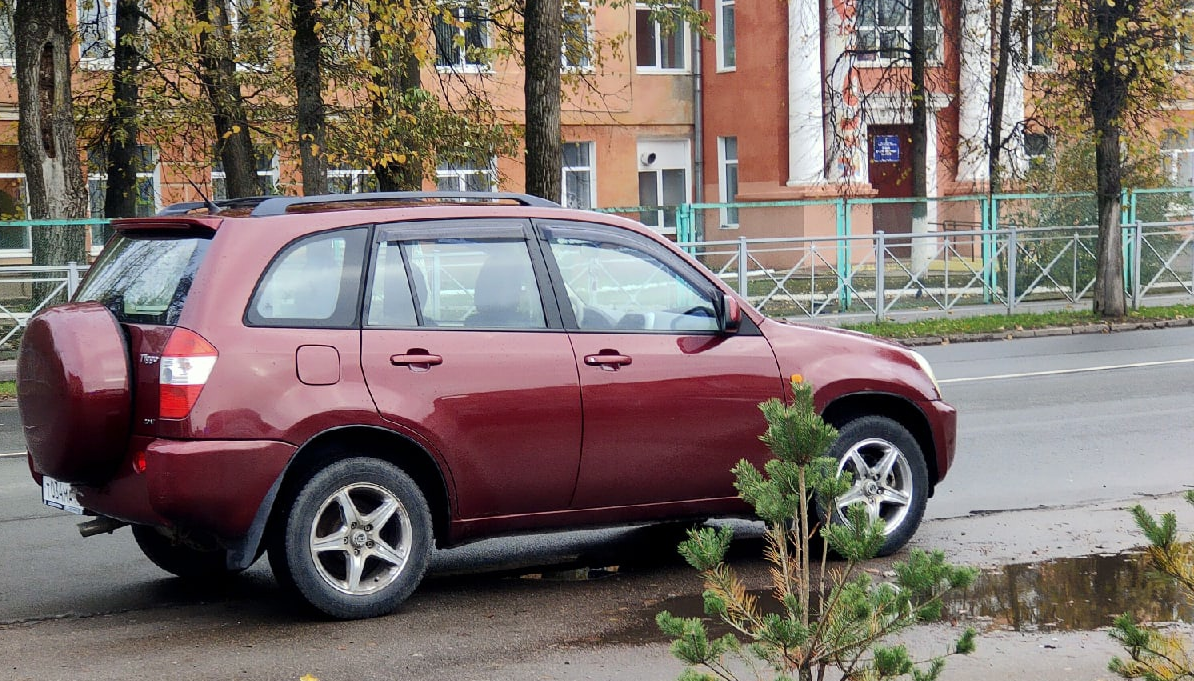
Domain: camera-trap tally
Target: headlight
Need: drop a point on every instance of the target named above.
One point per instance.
(927, 368)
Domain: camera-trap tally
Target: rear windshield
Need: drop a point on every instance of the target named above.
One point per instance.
(145, 278)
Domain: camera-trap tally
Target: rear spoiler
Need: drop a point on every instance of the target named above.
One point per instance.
(174, 222)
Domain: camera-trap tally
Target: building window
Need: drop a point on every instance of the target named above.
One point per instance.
(347, 30)
(662, 182)
(884, 30)
(578, 42)
(1184, 45)
(14, 205)
(460, 39)
(96, 31)
(8, 46)
(268, 174)
(727, 57)
(578, 185)
(145, 161)
(1038, 48)
(1177, 157)
(727, 171)
(350, 180)
(657, 48)
(251, 34)
(466, 177)
(1036, 146)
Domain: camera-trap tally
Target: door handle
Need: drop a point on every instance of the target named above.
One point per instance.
(416, 358)
(608, 360)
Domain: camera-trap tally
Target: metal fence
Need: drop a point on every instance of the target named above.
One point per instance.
(881, 274)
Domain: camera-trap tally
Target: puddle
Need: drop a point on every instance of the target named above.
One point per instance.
(1072, 594)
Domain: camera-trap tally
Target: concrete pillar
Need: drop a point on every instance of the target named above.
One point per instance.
(806, 114)
(973, 91)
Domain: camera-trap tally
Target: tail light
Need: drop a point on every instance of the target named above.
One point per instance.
(184, 369)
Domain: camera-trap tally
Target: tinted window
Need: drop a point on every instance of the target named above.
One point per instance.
(313, 282)
(144, 279)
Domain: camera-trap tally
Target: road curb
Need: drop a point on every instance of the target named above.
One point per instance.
(1013, 334)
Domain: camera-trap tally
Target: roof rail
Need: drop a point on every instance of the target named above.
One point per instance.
(278, 205)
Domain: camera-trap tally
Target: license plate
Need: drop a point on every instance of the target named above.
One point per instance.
(60, 495)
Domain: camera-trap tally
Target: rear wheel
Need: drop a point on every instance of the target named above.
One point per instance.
(186, 560)
(890, 477)
(356, 540)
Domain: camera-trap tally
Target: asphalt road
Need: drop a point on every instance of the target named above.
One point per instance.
(1056, 425)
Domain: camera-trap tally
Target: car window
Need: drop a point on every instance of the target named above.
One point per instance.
(391, 298)
(144, 279)
(479, 283)
(313, 282)
(613, 285)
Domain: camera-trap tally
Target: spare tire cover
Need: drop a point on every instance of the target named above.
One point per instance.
(73, 391)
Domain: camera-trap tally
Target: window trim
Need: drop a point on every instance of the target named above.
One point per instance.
(24, 198)
(444, 170)
(8, 54)
(1033, 12)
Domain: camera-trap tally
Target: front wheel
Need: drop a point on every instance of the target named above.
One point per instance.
(356, 540)
(890, 477)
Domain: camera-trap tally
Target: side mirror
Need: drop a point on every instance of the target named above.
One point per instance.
(729, 314)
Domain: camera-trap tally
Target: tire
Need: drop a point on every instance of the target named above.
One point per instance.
(179, 558)
(356, 539)
(890, 477)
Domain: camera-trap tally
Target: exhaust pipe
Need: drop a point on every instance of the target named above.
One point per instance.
(100, 525)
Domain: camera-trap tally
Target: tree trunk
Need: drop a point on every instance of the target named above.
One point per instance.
(308, 80)
(1106, 107)
(48, 147)
(120, 199)
(922, 248)
(541, 91)
(1109, 297)
(217, 70)
(999, 94)
(397, 74)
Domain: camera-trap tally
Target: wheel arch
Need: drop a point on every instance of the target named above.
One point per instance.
(845, 408)
(341, 443)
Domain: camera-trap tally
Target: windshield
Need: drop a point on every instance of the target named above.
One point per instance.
(144, 278)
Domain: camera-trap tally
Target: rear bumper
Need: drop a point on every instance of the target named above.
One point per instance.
(943, 426)
(213, 487)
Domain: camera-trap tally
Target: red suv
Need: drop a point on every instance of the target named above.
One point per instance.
(346, 382)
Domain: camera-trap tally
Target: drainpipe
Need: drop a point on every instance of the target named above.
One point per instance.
(698, 126)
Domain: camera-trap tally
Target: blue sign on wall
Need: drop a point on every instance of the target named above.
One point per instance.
(887, 149)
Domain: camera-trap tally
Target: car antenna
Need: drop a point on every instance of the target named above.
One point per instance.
(211, 206)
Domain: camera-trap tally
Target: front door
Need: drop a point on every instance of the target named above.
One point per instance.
(670, 403)
(890, 170)
(458, 349)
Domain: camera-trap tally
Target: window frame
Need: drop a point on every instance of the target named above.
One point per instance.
(8, 35)
(97, 187)
(583, 11)
(26, 249)
(589, 169)
(657, 43)
(105, 12)
(1036, 32)
(552, 229)
(347, 311)
(729, 216)
(727, 38)
(273, 173)
(460, 53)
(461, 172)
(875, 57)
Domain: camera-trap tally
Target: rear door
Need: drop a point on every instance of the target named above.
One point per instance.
(670, 403)
(459, 348)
